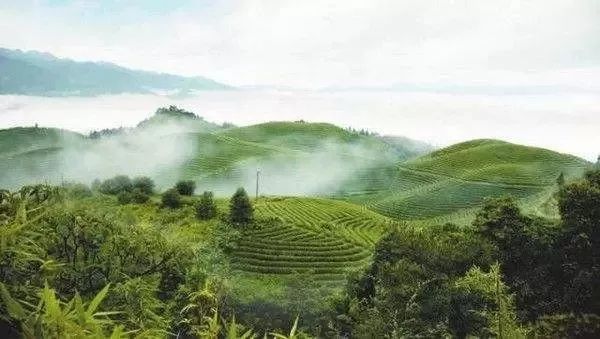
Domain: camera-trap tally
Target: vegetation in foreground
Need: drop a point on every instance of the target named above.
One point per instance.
(76, 262)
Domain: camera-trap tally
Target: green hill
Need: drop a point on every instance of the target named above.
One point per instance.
(30, 155)
(23, 139)
(447, 184)
(299, 159)
(295, 158)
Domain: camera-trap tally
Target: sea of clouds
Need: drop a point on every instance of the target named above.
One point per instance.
(566, 122)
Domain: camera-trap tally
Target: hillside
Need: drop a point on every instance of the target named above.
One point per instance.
(323, 237)
(34, 73)
(294, 158)
(447, 184)
(298, 159)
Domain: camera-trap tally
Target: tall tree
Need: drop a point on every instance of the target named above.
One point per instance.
(206, 208)
(240, 208)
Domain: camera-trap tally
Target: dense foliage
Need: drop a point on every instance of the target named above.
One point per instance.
(186, 187)
(507, 276)
(240, 208)
(206, 208)
(75, 262)
(171, 198)
(84, 267)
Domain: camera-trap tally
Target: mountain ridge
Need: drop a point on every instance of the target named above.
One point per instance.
(43, 74)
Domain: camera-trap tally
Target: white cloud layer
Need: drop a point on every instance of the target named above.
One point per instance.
(563, 122)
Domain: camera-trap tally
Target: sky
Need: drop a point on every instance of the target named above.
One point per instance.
(440, 71)
(323, 43)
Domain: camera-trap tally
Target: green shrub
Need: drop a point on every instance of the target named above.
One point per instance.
(139, 197)
(116, 185)
(568, 326)
(144, 184)
(171, 198)
(206, 208)
(185, 187)
(124, 198)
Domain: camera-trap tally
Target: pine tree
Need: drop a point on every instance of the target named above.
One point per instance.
(206, 208)
(171, 198)
(240, 208)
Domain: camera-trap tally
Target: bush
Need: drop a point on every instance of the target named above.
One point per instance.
(79, 191)
(171, 198)
(124, 198)
(139, 197)
(116, 185)
(186, 187)
(206, 208)
(568, 326)
(240, 208)
(144, 184)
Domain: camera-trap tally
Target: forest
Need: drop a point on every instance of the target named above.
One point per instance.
(120, 259)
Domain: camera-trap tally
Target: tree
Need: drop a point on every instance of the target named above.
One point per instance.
(144, 184)
(579, 204)
(206, 208)
(185, 187)
(116, 185)
(240, 208)
(578, 267)
(496, 304)
(523, 249)
(171, 198)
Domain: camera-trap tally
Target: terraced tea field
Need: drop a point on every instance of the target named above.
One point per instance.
(308, 235)
(456, 180)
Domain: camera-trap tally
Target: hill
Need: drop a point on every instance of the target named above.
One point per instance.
(294, 158)
(448, 183)
(298, 159)
(34, 73)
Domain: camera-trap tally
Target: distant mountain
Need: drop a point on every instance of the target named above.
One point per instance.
(35, 73)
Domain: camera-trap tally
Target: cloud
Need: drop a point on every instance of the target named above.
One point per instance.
(324, 43)
(566, 122)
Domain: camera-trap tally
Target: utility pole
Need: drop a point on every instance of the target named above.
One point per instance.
(257, 178)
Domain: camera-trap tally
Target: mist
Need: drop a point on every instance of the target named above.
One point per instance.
(562, 121)
(150, 151)
(314, 173)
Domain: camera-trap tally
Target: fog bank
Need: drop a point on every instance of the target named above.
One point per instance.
(562, 121)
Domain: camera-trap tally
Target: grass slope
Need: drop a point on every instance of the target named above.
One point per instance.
(323, 237)
(449, 183)
(29, 155)
(286, 152)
